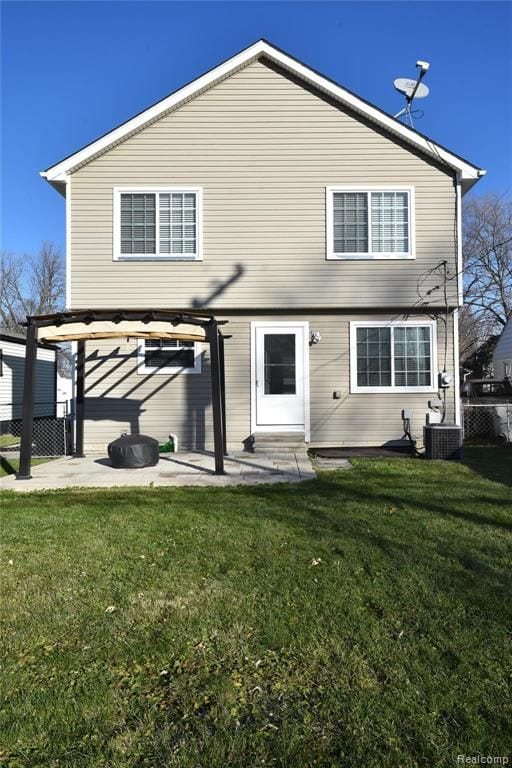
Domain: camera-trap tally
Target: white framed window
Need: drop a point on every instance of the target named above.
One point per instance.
(393, 357)
(169, 356)
(370, 222)
(157, 223)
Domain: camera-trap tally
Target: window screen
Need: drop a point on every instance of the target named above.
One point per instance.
(138, 223)
(390, 222)
(412, 357)
(178, 223)
(350, 219)
(373, 357)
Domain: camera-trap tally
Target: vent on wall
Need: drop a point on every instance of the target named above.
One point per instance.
(442, 441)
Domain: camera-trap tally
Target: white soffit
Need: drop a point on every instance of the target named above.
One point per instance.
(468, 172)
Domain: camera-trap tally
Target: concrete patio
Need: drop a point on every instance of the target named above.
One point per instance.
(188, 468)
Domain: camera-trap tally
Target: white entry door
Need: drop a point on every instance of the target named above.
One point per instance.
(280, 376)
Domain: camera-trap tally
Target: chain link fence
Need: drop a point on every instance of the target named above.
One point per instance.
(51, 433)
(488, 421)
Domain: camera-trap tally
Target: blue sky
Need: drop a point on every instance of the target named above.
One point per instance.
(73, 70)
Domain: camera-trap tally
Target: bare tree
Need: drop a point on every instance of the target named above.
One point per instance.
(469, 332)
(31, 285)
(487, 252)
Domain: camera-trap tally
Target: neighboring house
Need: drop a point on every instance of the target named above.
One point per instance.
(312, 221)
(502, 355)
(12, 362)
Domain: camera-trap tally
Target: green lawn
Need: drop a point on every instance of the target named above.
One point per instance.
(8, 440)
(360, 620)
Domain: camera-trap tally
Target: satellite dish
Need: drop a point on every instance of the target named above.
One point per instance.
(406, 86)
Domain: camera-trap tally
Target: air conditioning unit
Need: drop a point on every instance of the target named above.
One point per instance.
(443, 441)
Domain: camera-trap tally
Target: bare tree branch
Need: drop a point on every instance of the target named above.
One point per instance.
(487, 253)
(31, 285)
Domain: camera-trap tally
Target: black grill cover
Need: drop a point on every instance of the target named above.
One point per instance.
(133, 452)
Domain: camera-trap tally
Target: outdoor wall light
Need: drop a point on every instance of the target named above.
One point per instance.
(316, 336)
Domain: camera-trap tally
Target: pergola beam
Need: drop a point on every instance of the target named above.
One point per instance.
(117, 315)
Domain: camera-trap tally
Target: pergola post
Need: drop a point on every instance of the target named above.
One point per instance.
(223, 392)
(29, 391)
(80, 398)
(212, 332)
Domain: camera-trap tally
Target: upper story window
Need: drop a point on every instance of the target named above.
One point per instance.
(157, 223)
(397, 357)
(169, 356)
(370, 223)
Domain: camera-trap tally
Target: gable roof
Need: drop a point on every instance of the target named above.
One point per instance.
(469, 173)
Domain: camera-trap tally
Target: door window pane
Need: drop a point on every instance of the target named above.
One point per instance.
(279, 363)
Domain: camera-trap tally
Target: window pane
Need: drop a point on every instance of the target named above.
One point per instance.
(374, 357)
(390, 222)
(169, 353)
(138, 223)
(279, 363)
(350, 222)
(178, 223)
(412, 357)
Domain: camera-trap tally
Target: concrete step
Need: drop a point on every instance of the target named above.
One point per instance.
(278, 442)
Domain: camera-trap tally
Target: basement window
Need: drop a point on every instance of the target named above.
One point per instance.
(169, 356)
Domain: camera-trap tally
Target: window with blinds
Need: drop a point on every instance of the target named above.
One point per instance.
(169, 355)
(395, 357)
(369, 224)
(157, 224)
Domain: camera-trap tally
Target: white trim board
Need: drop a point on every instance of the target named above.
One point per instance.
(68, 244)
(307, 410)
(469, 173)
(456, 366)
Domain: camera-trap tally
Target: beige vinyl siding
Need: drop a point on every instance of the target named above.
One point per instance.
(263, 148)
(11, 382)
(118, 399)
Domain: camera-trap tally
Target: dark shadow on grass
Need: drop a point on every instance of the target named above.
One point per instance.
(338, 510)
(493, 462)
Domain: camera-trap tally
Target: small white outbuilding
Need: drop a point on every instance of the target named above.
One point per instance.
(12, 366)
(502, 356)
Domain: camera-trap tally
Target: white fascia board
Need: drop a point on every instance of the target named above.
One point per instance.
(468, 172)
